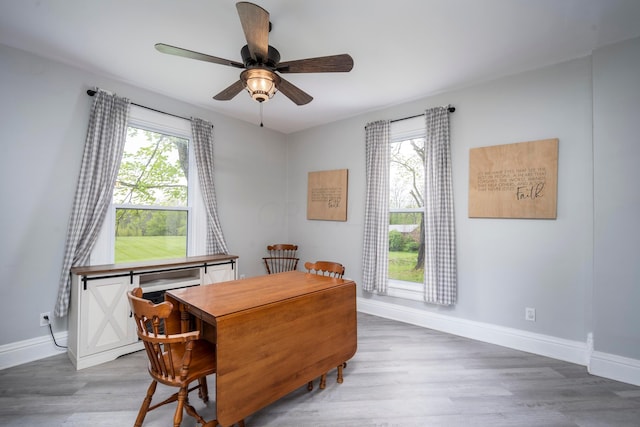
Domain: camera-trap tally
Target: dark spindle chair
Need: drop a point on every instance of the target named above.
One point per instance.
(282, 257)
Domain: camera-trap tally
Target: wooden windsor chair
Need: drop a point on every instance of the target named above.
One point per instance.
(282, 257)
(175, 359)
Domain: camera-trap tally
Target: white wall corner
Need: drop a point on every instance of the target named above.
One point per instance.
(589, 354)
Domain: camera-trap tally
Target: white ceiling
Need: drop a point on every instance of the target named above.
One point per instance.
(402, 49)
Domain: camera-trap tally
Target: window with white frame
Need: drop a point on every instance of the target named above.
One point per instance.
(406, 209)
(156, 200)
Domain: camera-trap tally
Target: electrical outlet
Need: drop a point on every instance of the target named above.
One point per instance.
(45, 318)
(530, 314)
(242, 276)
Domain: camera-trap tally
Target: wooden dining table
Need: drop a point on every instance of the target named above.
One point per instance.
(273, 334)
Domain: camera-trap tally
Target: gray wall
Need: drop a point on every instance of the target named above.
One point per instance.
(44, 110)
(506, 265)
(616, 125)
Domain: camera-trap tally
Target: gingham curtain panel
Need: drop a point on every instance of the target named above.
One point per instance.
(202, 132)
(103, 149)
(376, 212)
(441, 283)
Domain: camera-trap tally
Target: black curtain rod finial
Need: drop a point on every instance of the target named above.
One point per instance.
(449, 109)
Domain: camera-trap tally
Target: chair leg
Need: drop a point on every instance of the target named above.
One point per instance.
(310, 385)
(203, 391)
(323, 381)
(192, 411)
(183, 403)
(182, 398)
(340, 367)
(144, 408)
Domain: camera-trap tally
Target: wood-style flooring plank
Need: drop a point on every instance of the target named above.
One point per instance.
(401, 376)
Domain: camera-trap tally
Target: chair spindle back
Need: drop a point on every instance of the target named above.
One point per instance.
(282, 257)
(325, 268)
(152, 328)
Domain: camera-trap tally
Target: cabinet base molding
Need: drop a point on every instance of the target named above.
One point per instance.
(103, 356)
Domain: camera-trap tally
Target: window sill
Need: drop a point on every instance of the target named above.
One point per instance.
(406, 290)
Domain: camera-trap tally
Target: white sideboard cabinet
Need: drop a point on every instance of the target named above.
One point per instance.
(101, 327)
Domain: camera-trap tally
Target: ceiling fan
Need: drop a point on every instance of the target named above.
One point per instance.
(261, 62)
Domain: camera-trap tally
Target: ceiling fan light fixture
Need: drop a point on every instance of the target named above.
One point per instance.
(261, 84)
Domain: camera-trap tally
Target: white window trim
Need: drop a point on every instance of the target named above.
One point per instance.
(407, 290)
(103, 251)
(414, 127)
(401, 131)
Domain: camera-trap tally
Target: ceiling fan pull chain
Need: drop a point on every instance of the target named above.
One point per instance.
(261, 125)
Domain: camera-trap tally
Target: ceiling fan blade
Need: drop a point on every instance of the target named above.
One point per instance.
(294, 93)
(230, 92)
(255, 24)
(178, 51)
(324, 64)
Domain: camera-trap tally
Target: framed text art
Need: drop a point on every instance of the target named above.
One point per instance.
(327, 195)
(514, 180)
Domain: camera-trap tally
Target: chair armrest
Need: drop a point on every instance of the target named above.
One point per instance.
(169, 339)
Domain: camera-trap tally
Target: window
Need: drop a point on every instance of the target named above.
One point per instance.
(406, 209)
(154, 210)
(150, 197)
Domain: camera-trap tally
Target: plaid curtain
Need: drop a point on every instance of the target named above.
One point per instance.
(202, 132)
(440, 237)
(376, 213)
(103, 150)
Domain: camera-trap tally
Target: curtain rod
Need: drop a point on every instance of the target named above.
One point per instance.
(450, 109)
(92, 92)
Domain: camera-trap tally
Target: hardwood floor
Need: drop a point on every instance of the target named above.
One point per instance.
(402, 375)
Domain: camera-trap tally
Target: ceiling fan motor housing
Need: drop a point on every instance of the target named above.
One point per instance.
(259, 78)
(271, 62)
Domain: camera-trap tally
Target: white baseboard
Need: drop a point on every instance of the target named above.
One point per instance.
(600, 364)
(17, 353)
(615, 367)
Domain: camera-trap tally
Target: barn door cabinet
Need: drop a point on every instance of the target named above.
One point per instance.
(101, 326)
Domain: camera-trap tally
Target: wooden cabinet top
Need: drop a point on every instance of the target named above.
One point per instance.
(155, 264)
